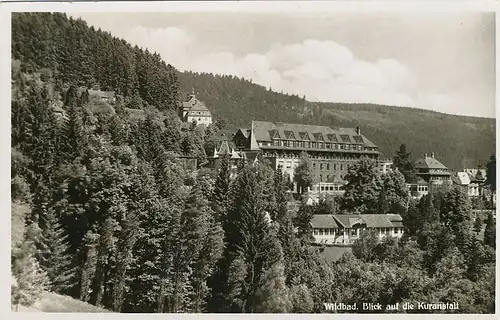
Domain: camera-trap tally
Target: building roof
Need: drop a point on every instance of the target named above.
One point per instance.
(244, 132)
(348, 220)
(101, 94)
(193, 104)
(377, 221)
(476, 174)
(266, 131)
(323, 221)
(429, 163)
(463, 178)
(370, 220)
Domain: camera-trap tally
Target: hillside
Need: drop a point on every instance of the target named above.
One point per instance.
(53, 302)
(48, 42)
(457, 141)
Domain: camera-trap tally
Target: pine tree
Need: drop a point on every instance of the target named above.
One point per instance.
(56, 260)
(403, 162)
(478, 224)
(251, 247)
(490, 231)
(220, 195)
(303, 175)
(302, 221)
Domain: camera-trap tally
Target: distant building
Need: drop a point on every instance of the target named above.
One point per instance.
(226, 148)
(473, 180)
(385, 165)
(432, 171)
(344, 229)
(86, 95)
(418, 189)
(331, 150)
(108, 96)
(194, 110)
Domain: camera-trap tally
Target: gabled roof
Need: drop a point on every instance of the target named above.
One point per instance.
(224, 148)
(463, 178)
(370, 220)
(318, 136)
(429, 163)
(348, 220)
(332, 137)
(193, 104)
(264, 131)
(323, 221)
(377, 221)
(476, 174)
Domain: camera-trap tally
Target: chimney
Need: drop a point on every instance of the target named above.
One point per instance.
(358, 130)
(425, 155)
(432, 155)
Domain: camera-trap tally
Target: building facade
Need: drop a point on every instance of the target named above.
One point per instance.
(223, 149)
(194, 110)
(473, 180)
(344, 229)
(432, 171)
(330, 150)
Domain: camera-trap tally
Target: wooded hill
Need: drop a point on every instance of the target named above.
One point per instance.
(82, 55)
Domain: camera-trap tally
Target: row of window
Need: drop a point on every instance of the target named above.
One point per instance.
(334, 187)
(315, 145)
(327, 166)
(352, 232)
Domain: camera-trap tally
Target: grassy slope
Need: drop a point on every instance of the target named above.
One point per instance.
(52, 302)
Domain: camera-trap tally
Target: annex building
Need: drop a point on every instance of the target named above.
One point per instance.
(344, 229)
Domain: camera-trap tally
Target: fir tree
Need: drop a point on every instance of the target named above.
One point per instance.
(55, 259)
(490, 231)
(220, 195)
(303, 175)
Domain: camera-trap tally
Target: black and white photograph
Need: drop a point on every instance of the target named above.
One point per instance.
(285, 161)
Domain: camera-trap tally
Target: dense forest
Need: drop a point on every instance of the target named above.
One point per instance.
(107, 212)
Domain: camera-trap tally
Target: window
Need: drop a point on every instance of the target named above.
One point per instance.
(314, 165)
(327, 166)
(315, 232)
(320, 166)
(327, 177)
(320, 232)
(353, 232)
(335, 166)
(341, 167)
(396, 230)
(328, 145)
(321, 178)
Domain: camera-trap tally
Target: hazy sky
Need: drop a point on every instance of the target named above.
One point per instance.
(440, 61)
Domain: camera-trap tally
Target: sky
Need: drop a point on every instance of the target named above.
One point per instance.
(438, 61)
